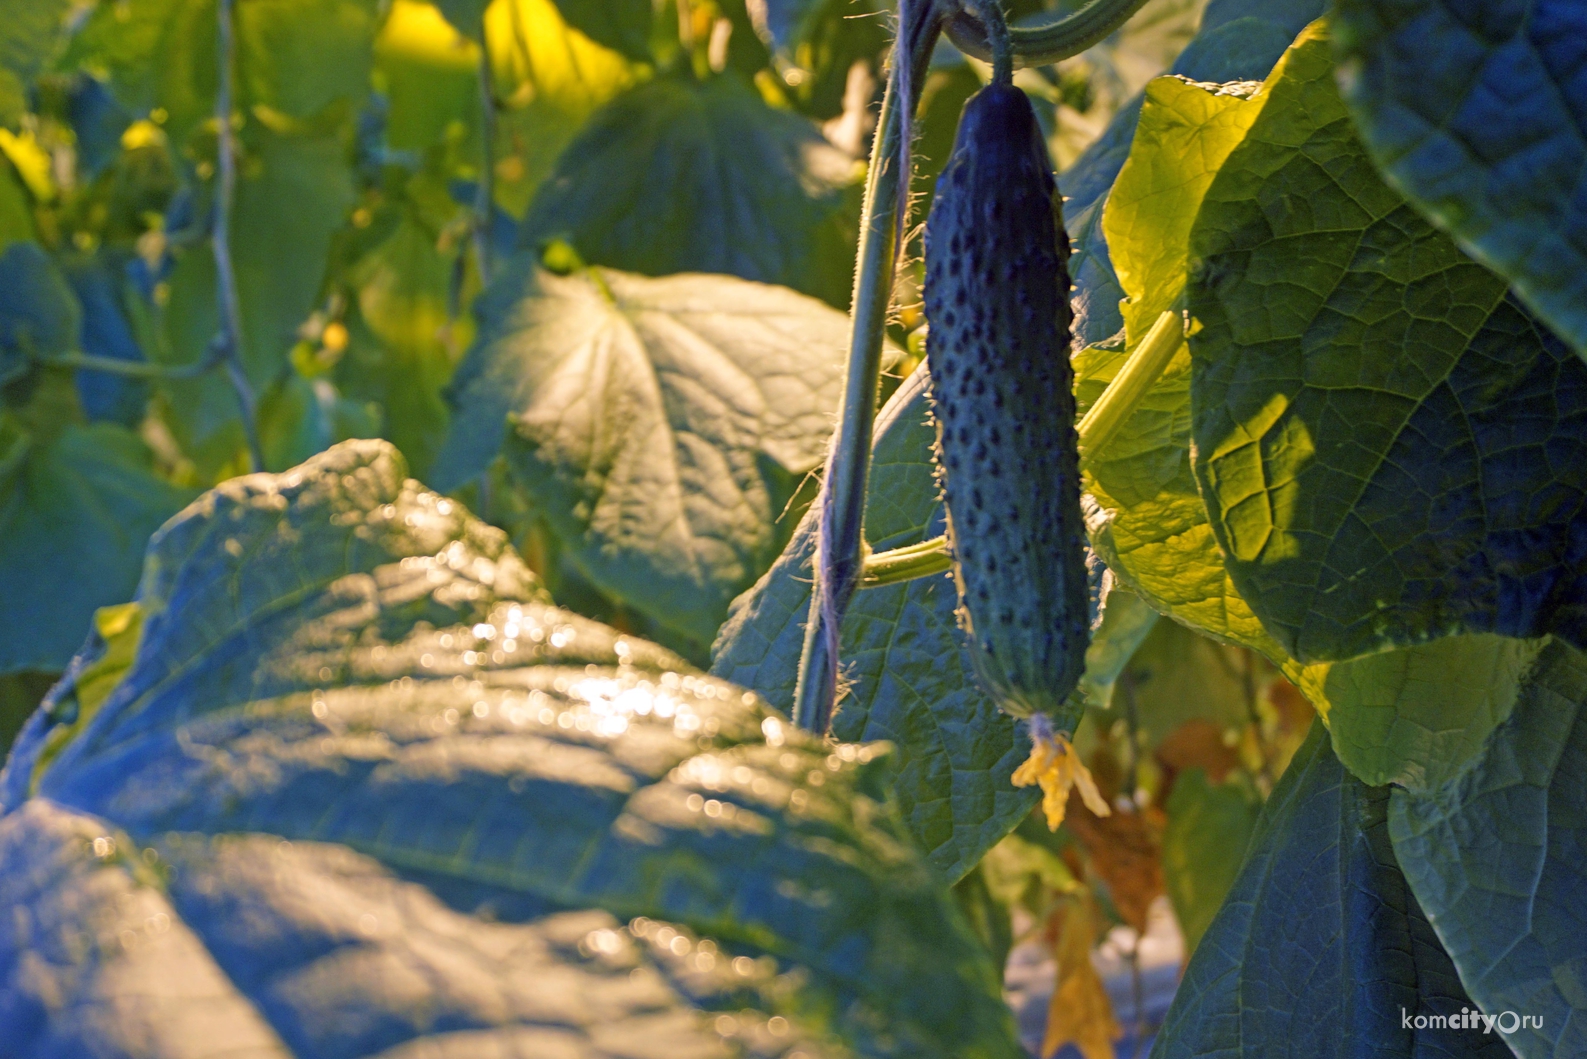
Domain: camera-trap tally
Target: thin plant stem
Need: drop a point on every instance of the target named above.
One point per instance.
(841, 505)
(229, 341)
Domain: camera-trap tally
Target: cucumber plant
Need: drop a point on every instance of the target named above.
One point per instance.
(1236, 503)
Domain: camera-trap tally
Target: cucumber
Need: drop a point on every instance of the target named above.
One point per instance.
(997, 348)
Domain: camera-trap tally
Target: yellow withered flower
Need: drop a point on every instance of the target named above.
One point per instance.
(1056, 766)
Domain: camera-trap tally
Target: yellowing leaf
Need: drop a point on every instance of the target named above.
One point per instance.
(1081, 1012)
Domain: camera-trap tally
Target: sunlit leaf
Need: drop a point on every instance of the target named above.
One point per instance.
(430, 74)
(660, 426)
(363, 790)
(551, 79)
(1150, 524)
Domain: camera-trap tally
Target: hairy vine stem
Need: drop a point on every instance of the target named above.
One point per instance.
(1095, 429)
(228, 343)
(841, 504)
(1050, 43)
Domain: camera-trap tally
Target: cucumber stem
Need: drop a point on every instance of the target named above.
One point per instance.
(1042, 45)
(999, 41)
(1096, 428)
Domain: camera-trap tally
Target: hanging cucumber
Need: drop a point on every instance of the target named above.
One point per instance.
(997, 301)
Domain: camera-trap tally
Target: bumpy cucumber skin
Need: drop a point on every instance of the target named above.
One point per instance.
(997, 301)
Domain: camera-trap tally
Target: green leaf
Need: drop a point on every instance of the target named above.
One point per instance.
(1495, 857)
(656, 424)
(16, 212)
(293, 193)
(467, 16)
(1177, 674)
(1209, 827)
(400, 357)
(75, 513)
(622, 25)
(362, 790)
(1320, 948)
(31, 31)
(1417, 717)
(294, 57)
(429, 72)
(1475, 115)
(1389, 448)
(910, 679)
(682, 176)
(1239, 40)
(38, 312)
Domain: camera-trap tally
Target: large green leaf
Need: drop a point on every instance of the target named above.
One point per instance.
(30, 33)
(1389, 448)
(293, 192)
(683, 176)
(909, 677)
(661, 426)
(1417, 717)
(1320, 948)
(76, 510)
(1495, 856)
(1475, 114)
(295, 57)
(361, 790)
